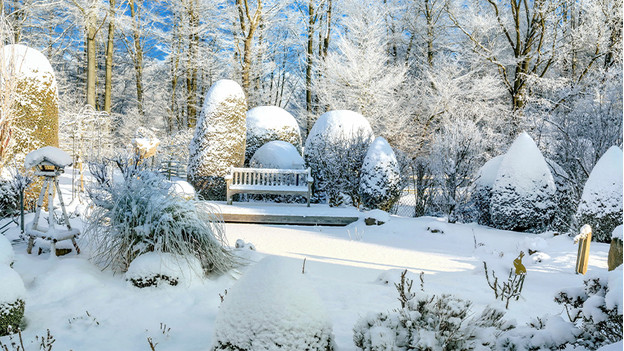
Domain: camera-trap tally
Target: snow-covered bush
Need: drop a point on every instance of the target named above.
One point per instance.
(12, 304)
(140, 212)
(161, 268)
(596, 308)
(10, 188)
(566, 199)
(544, 333)
(523, 194)
(335, 150)
(277, 154)
(272, 307)
(7, 255)
(219, 139)
(269, 123)
(380, 178)
(482, 192)
(601, 203)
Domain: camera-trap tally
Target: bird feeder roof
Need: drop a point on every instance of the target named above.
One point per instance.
(48, 155)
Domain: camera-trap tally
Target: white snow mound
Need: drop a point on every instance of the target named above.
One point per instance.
(602, 193)
(7, 255)
(337, 124)
(273, 304)
(49, 154)
(618, 232)
(277, 154)
(262, 120)
(12, 287)
(183, 269)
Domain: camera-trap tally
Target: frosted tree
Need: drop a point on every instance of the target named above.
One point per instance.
(269, 123)
(524, 190)
(380, 178)
(219, 139)
(359, 74)
(601, 203)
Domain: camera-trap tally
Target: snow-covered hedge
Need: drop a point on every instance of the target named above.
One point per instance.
(596, 308)
(335, 150)
(523, 194)
(566, 199)
(269, 123)
(601, 203)
(219, 139)
(482, 193)
(380, 178)
(277, 154)
(272, 307)
(160, 268)
(12, 293)
(7, 255)
(140, 212)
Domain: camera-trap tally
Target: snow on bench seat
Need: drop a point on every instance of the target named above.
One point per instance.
(269, 181)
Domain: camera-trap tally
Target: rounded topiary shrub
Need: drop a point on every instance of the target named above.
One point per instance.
(523, 194)
(601, 203)
(335, 150)
(273, 306)
(219, 139)
(7, 255)
(269, 123)
(277, 154)
(380, 178)
(162, 268)
(12, 304)
(482, 193)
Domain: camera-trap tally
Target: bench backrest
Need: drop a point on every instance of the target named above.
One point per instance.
(270, 176)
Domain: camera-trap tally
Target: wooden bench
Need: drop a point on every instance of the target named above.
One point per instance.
(269, 181)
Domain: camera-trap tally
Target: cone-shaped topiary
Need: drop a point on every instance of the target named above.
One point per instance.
(219, 139)
(380, 178)
(12, 293)
(601, 203)
(483, 189)
(269, 123)
(523, 194)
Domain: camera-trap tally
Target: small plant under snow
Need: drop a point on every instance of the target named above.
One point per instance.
(380, 178)
(161, 268)
(269, 123)
(273, 306)
(601, 203)
(12, 296)
(7, 255)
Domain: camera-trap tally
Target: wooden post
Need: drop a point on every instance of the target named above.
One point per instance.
(584, 239)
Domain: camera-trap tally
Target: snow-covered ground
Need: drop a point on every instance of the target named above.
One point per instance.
(352, 268)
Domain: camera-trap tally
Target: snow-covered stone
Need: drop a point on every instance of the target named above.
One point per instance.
(268, 123)
(380, 177)
(273, 306)
(618, 233)
(277, 154)
(7, 255)
(158, 268)
(50, 154)
(219, 139)
(524, 190)
(601, 202)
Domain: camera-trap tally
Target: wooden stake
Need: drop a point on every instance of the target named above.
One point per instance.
(584, 239)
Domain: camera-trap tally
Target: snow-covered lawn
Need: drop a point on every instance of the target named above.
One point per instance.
(89, 309)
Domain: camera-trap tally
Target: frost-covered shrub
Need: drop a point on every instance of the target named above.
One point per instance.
(9, 199)
(601, 203)
(272, 307)
(523, 194)
(482, 193)
(543, 333)
(380, 178)
(596, 308)
(160, 268)
(7, 255)
(219, 139)
(12, 304)
(269, 123)
(335, 150)
(433, 323)
(139, 212)
(566, 199)
(277, 154)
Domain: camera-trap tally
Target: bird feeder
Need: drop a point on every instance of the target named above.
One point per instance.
(49, 162)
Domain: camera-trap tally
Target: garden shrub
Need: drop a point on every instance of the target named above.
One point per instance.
(159, 268)
(380, 178)
(270, 123)
(601, 203)
(12, 304)
(219, 139)
(7, 255)
(141, 212)
(273, 307)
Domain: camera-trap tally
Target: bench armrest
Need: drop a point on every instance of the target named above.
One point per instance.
(228, 177)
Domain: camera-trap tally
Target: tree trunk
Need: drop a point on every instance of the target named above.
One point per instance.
(108, 80)
(91, 29)
(138, 60)
(191, 75)
(309, 53)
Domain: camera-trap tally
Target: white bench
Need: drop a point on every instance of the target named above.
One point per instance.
(269, 181)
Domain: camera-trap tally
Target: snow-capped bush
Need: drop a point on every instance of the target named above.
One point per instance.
(269, 123)
(277, 154)
(523, 194)
(219, 139)
(139, 212)
(482, 193)
(7, 255)
(272, 307)
(596, 308)
(601, 203)
(335, 150)
(543, 333)
(9, 199)
(380, 178)
(566, 199)
(12, 293)
(160, 268)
